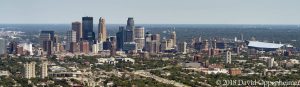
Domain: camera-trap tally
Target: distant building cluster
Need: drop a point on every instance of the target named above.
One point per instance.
(82, 39)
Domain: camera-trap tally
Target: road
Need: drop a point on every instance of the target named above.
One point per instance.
(159, 79)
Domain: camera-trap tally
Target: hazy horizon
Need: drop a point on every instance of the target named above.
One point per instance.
(151, 12)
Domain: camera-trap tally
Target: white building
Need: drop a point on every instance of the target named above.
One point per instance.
(100, 46)
(29, 70)
(114, 60)
(4, 73)
(57, 69)
(44, 69)
(294, 61)
(214, 71)
(95, 48)
(27, 47)
(228, 57)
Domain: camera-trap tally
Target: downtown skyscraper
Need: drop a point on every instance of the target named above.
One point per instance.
(130, 23)
(139, 35)
(76, 26)
(102, 33)
(130, 27)
(173, 37)
(87, 29)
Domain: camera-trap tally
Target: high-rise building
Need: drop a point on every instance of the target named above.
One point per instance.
(2, 46)
(74, 47)
(130, 29)
(198, 46)
(205, 45)
(48, 47)
(56, 39)
(120, 37)
(76, 26)
(12, 48)
(29, 70)
(221, 45)
(148, 43)
(130, 24)
(152, 43)
(87, 29)
(113, 40)
(228, 57)
(139, 37)
(182, 47)
(47, 35)
(173, 37)
(20, 50)
(129, 36)
(156, 39)
(214, 43)
(107, 45)
(84, 47)
(170, 43)
(100, 46)
(71, 37)
(150, 47)
(48, 39)
(44, 69)
(27, 48)
(163, 45)
(148, 37)
(123, 36)
(130, 47)
(102, 33)
(95, 48)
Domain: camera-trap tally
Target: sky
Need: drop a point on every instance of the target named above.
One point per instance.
(151, 11)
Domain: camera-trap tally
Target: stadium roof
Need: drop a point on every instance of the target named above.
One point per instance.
(258, 44)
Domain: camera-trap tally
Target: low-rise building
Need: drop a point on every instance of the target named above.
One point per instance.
(114, 60)
(66, 75)
(235, 71)
(4, 73)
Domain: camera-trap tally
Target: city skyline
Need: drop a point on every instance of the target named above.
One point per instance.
(166, 43)
(152, 12)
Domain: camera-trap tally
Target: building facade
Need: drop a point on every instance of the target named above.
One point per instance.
(139, 37)
(87, 29)
(76, 26)
(2, 46)
(102, 33)
(44, 69)
(29, 70)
